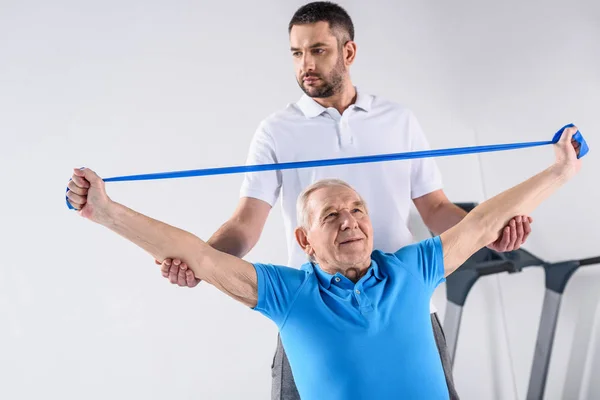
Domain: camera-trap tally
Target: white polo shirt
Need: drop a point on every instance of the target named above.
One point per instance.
(308, 131)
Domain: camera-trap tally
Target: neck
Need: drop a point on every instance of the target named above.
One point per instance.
(341, 100)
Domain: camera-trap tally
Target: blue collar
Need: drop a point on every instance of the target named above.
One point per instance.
(326, 279)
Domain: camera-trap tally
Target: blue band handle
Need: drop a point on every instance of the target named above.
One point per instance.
(348, 160)
(583, 146)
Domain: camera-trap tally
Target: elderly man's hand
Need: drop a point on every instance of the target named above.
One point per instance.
(513, 235)
(178, 273)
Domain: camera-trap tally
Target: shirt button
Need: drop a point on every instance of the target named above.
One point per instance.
(357, 291)
(337, 278)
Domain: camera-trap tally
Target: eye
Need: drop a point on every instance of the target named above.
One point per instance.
(296, 54)
(331, 216)
(318, 51)
(357, 210)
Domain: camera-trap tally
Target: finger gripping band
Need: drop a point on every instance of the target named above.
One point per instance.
(349, 160)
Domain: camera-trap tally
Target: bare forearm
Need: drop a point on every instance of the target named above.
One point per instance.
(231, 238)
(491, 216)
(159, 239)
(241, 232)
(445, 217)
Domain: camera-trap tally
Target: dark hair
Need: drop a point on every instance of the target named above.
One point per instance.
(325, 11)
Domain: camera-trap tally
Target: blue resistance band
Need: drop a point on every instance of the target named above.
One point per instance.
(349, 160)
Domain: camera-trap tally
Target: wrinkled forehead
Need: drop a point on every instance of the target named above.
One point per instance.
(333, 197)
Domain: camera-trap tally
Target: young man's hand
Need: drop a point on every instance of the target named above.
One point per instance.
(178, 272)
(513, 235)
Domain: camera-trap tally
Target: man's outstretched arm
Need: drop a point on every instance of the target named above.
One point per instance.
(485, 222)
(440, 214)
(237, 237)
(232, 275)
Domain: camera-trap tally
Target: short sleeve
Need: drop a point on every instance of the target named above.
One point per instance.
(425, 260)
(425, 175)
(278, 287)
(263, 185)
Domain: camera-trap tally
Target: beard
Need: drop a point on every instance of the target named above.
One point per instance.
(330, 85)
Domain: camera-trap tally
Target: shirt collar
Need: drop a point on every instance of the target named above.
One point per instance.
(364, 101)
(325, 279)
(311, 109)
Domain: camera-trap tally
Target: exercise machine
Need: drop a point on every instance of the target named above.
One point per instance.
(557, 277)
(488, 262)
(458, 284)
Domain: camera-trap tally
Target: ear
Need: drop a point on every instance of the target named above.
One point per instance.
(349, 52)
(302, 239)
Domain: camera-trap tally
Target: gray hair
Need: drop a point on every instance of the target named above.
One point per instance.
(302, 212)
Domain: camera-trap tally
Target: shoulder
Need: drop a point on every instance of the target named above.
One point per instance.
(423, 248)
(410, 253)
(394, 114)
(424, 259)
(265, 138)
(281, 274)
(290, 115)
(385, 105)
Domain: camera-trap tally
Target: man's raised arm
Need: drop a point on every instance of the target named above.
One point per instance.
(485, 222)
(231, 275)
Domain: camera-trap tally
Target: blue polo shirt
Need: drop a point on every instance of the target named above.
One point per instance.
(366, 340)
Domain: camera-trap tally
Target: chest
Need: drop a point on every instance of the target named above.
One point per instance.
(353, 135)
(389, 309)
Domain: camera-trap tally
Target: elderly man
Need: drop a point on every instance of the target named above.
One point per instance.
(354, 322)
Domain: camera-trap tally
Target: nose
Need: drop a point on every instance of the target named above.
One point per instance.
(308, 62)
(347, 221)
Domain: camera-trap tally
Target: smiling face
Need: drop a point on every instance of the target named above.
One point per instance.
(320, 64)
(338, 233)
